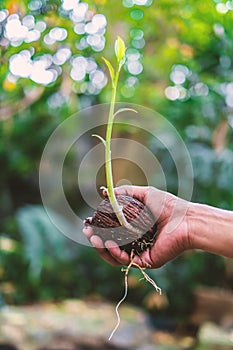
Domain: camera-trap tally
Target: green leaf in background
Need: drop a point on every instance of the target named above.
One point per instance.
(42, 240)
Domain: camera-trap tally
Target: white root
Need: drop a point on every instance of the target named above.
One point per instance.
(121, 301)
(145, 276)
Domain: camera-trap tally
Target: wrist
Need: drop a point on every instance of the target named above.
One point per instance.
(210, 229)
(197, 223)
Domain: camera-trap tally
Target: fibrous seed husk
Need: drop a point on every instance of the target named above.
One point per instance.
(106, 225)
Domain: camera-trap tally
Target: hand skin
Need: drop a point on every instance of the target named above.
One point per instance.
(182, 225)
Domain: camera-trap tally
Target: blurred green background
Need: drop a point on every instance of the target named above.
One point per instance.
(179, 63)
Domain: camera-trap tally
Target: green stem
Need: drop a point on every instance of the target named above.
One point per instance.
(118, 209)
(108, 158)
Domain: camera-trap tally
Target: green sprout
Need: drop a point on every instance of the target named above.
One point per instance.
(114, 75)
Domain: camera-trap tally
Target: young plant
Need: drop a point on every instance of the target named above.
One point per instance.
(114, 75)
(143, 236)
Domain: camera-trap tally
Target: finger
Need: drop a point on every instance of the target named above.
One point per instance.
(134, 191)
(88, 231)
(152, 197)
(119, 255)
(97, 243)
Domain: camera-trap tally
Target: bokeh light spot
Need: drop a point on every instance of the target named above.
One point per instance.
(137, 14)
(135, 67)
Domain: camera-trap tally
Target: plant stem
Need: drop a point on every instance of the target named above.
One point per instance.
(108, 157)
(118, 210)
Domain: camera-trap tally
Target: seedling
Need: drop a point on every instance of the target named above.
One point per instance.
(133, 238)
(114, 75)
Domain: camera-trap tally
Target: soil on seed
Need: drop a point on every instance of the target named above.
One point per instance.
(106, 225)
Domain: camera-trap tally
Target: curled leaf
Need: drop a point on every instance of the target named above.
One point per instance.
(100, 138)
(124, 110)
(120, 50)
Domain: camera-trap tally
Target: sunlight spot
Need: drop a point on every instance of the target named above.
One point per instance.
(230, 120)
(79, 61)
(133, 54)
(100, 45)
(29, 21)
(229, 5)
(221, 8)
(172, 93)
(40, 25)
(42, 76)
(99, 20)
(12, 78)
(182, 92)
(91, 65)
(48, 40)
(56, 100)
(69, 4)
(136, 33)
(135, 67)
(131, 81)
(3, 15)
(229, 100)
(61, 56)
(78, 73)
(33, 35)
(200, 89)
(138, 44)
(91, 28)
(14, 30)
(58, 34)
(127, 91)
(79, 28)
(128, 3)
(82, 44)
(229, 94)
(94, 40)
(136, 14)
(177, 77)
(98, 79)
(35, 5)
(140, 2)
(218, 29)
(79, 12)
(20, 64)
(229, 88)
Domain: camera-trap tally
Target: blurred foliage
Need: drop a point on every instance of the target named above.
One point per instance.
(179, 62)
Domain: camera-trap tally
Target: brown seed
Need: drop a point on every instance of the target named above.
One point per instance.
(106, 225)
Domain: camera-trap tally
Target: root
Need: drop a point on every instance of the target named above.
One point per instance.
(148, 279)
(121, 301)
(145, 276)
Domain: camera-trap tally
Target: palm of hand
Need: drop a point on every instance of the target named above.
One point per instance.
(172, 236)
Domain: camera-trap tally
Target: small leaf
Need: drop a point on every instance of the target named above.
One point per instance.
(120, 49)
(100, 138)
(110, 68)
(124, 110)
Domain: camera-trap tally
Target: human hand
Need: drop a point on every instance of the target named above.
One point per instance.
(172, 237)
